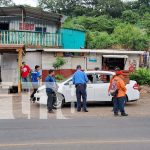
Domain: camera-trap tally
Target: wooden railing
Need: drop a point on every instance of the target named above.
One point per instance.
(29, 38)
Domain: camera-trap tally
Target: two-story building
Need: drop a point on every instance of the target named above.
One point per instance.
(21, 28)
(24, 34)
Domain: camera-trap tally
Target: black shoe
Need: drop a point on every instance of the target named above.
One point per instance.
(124, 114)
(50, 111)
(116, 114)
(78, 110)
(85, 110)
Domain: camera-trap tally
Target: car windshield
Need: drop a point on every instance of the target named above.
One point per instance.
(65, 79)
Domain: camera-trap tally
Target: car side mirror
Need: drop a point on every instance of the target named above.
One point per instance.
(70, 83)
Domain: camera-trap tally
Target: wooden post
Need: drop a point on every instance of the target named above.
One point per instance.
(19, 66)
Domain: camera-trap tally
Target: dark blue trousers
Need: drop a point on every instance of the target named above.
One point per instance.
(81, 92)
(119, 104)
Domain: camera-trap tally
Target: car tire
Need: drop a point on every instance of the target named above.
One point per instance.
(59, 101)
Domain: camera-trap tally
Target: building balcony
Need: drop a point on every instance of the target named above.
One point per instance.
(31, 39)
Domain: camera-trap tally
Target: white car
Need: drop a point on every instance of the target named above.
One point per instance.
(97, 89)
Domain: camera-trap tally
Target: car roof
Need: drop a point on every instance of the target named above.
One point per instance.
(103, 72)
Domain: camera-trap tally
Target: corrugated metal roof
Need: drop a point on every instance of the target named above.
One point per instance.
(32, 12)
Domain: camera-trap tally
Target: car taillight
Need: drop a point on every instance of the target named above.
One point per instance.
(136, 86)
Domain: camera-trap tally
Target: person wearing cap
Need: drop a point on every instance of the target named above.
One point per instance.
(35, 77)
(25, 73)
(120, 99)
(80, 79)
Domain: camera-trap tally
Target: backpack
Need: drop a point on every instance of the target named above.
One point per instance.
(114, 88)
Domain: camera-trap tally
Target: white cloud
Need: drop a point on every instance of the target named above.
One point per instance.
(27, 2)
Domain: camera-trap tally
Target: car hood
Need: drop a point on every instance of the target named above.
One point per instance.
(43, 87)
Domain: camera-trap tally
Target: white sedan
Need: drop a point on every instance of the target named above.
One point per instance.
(97, 89)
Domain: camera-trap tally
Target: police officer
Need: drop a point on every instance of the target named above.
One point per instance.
(80, 79)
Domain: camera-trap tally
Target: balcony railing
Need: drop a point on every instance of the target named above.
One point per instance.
(30, 39)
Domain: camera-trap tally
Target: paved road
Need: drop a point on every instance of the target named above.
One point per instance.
(90, 133)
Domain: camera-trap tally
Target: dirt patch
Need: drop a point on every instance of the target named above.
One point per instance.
(145, 90)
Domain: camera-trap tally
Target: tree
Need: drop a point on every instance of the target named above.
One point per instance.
(59, 62)
(101, 23)
(65, 7)
(57, 65)
(146, 22)
(145, 2)
(98, 40)
(130, 37)
(113, 8)
(5, 3)
(130, 17)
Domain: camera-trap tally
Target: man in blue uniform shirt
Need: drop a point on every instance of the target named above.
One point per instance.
(80, 79)
(35, 77)
(51, 89)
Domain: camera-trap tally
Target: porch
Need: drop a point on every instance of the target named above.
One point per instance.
(31, 39)
(17, 51)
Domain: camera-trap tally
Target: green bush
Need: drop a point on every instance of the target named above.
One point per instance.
(98, 40)
(142, 76)
(131, 37)
(59, 62)
(130, 17)
(59, 77)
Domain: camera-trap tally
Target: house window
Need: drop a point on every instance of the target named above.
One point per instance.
(40, 29)
(4, 26)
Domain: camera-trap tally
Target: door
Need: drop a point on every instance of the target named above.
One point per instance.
(90, 88)
(9, 68)
(69, 91)
(101, 86)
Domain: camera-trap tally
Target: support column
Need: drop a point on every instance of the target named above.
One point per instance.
(19, 66)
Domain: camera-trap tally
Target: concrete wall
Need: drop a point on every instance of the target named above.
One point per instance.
(71, 62)
(33, 59)
(98, 63)
(133, 59)
(85, 61)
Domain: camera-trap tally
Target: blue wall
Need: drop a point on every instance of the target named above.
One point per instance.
(72, 39)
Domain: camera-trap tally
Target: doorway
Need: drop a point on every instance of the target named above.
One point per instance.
(4, 26)
(112, 63)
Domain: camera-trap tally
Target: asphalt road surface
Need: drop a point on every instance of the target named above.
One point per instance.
(84, 133)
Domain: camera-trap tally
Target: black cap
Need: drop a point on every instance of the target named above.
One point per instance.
(78, 66)
(37, 66)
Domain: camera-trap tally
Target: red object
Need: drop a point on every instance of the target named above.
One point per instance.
(26, 26)
(64, 72)
(136, 86)
(25, 70)
(120, 73)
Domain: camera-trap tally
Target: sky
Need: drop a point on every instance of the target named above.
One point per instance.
(28, 2)
(33, 2)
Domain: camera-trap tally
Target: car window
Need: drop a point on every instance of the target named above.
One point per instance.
(102, 78)
(69, 81)
(91, 78)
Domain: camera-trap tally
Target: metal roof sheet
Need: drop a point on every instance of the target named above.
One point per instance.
(32, 12)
